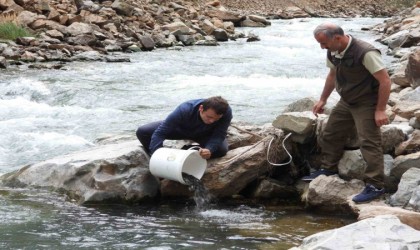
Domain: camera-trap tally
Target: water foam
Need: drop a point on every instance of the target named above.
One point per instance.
(25, 87)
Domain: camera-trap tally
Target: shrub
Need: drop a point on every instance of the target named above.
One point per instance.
(11, 31)
(10, 28)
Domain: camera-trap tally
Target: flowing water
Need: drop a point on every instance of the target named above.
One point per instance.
(45, 113)
(202, 196)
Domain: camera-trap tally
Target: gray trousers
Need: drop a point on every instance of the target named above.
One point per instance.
(341, 121)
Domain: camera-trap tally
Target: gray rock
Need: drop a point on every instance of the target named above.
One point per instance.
(396, 40)
(88, 56)
(331, 193)
(187, 40)
(381, 232)
(117, 172)
(221, 35)
(352, 165)
(122, 8)
(302, 123)
(271, 188)
(410, 181)
(304, 104)
(392, 136)
(415, 199)
(404, 162)
(147, 43)
(79, 28)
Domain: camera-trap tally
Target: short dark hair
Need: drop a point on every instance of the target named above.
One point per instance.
(329, 30)
(217, 103)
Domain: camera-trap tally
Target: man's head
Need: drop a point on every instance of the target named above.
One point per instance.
(212, 109)
(331, 36)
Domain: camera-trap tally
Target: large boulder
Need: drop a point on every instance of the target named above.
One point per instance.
(113, 172)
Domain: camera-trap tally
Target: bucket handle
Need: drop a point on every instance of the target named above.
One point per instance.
(194, 148)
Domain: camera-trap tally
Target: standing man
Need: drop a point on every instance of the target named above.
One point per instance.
(203, 120)
(358, 74)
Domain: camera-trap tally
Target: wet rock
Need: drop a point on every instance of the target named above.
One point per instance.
(253, 38)
(147, 43)
(271, 188)
(251, 23)
(117, 59)
(88, 56)
(208, 41)
(3, 62)
(220, 35)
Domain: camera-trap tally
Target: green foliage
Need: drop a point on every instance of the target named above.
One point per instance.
(11, 31)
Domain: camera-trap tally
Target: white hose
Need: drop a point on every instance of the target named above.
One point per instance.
(290, 156)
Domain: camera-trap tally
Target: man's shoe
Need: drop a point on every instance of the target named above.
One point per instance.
(368, 194)
(318, 173)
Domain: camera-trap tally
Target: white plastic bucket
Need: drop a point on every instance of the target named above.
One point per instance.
(170, 163)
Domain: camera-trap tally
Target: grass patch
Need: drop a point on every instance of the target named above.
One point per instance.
(11, 31)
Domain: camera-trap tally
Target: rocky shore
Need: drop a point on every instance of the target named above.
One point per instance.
(117, 169)
(71, 30)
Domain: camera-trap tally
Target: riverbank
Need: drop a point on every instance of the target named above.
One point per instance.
(97, 31)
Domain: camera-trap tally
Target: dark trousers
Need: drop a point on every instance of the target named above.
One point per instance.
(342, 119)
(144, 134)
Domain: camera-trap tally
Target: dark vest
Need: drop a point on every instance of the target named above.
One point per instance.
(354, 83)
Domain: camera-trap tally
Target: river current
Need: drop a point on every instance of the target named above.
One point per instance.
(45, 113)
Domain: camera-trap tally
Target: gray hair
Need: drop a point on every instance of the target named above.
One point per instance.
(329, 30)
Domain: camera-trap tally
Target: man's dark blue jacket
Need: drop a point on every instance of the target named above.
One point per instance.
(185, 123)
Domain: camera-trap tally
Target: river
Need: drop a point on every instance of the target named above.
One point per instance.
(45, 113)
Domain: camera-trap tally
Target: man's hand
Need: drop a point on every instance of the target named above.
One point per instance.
(381, 118)
(204, 153)
(318, 108)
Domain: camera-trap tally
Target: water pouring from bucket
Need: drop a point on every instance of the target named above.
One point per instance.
(170, 163)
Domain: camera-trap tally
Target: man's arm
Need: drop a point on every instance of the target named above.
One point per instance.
(219, 132)
(383, 95)
(166, 128)
(326, 92)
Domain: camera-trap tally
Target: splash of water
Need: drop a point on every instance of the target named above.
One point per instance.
(202, 196)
